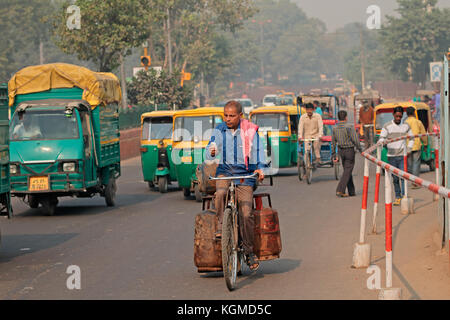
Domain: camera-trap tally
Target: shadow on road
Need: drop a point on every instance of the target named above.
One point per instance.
(266, 268)
(75, 206)
(22, 244)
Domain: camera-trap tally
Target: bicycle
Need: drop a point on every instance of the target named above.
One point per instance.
(232, 251)
(305, 164)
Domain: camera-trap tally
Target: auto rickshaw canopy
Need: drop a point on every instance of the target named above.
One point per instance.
(419, 106)
(154, 114)
(99, 88)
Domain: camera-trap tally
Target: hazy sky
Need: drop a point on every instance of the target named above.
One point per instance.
(337, 13)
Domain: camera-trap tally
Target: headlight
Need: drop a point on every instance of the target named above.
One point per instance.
(13, 169)
(69, 167)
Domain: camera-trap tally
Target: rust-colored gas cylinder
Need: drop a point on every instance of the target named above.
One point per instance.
(267, 236)
(207, 249)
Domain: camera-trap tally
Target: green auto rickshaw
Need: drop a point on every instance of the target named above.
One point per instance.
(192, 131)
(278, 128)
(156, 149)
(64, 134)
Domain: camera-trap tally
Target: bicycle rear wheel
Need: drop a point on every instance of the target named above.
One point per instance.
(229, 250)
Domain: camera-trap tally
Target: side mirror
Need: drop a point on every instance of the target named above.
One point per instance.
(178, 139)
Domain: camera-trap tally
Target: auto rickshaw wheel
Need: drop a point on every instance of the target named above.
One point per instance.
(49, 205)
(110, 192)
(198, 193)
(33, 201)
(186, 193)
(162, 184)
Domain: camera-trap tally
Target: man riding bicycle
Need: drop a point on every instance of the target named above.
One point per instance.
(237, 143)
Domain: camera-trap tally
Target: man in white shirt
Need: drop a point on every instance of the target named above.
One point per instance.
(391, 130)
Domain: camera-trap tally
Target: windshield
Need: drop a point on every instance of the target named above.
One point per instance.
(245, 103)
(157, 128)
(284, 101)
(270, 99)
(43, 125)
(385, 117)
(202, 125)
(271, 121)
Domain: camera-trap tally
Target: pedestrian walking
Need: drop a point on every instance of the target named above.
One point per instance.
(345, 139)
(391, 130)
(414, 157)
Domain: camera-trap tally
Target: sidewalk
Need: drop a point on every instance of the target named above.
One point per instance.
(420, 268)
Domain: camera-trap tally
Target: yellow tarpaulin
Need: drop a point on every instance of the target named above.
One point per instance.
(98, 87)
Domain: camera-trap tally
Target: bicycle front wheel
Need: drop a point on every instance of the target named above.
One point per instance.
(229, 250)
(309, 169)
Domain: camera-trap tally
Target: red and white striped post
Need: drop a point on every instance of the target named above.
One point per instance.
(365, 194)
(377, 193)
(388, 227)
(405, 206)
(388, 293)
(361, 250)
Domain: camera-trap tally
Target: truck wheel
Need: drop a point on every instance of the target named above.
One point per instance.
(33, 201)
(198, 193)
(186, 193)
(49, 205)
(162, 184)
(110, 192)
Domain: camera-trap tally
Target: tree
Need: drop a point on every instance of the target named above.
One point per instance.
(153, 88)
(108, 29)
(419, 36)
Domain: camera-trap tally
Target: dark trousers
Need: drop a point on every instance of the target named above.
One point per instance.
(347, 156)
(397, 162)
(244, 195)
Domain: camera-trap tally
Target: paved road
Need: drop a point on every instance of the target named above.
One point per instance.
(143, 248)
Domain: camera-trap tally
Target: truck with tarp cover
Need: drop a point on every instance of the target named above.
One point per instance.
(5, 188)
(64, 134)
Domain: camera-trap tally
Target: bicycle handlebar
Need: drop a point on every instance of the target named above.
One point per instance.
(307, 140)
(252, 176)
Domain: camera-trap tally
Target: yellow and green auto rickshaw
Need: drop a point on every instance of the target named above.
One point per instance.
(192, 131)
(383, 114)
(156, 149)
(278, 128)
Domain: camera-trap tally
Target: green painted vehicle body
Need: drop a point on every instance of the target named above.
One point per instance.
(5, 187)
(95, 149)
(426, 154)
(149, 161)
(186, 171)
(284, 147)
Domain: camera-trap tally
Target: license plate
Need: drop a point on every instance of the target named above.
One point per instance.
(38, 183)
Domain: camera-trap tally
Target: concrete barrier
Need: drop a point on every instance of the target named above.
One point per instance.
(130, 143)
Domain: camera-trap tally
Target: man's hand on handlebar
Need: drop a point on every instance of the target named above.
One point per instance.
(260, 174)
